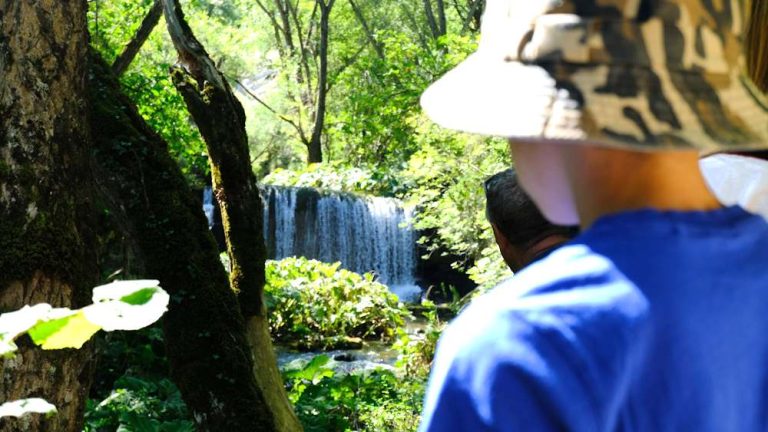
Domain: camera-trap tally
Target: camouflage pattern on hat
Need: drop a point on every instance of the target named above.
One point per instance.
(630, 73)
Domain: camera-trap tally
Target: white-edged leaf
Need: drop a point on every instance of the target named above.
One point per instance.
(26, 406)
(15, 323)
(119, 289)
(129, 305)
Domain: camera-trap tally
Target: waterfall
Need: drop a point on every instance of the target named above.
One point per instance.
(208, 206)
(363, 233)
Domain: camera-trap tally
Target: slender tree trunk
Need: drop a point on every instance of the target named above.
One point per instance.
(430, 15)
(315, 145)
(474, 14)
(441, 23)
(221, 120)
(46, 245)
(204, 329)
(147, 25)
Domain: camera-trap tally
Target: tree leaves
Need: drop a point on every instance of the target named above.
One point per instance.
(124, 305)
(70, 331)
(26, 406)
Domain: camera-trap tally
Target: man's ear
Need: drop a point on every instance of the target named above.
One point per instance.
(510, 253)
(501, 239)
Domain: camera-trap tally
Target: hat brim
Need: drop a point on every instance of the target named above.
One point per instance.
(489, 96)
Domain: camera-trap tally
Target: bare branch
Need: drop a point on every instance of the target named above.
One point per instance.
(134, 45)
(269, 108)
(368, 32)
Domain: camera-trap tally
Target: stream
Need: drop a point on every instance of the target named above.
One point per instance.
(373, 354)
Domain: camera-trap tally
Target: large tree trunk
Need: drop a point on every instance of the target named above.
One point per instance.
(221, 120)
(46, 246)
(205, 332)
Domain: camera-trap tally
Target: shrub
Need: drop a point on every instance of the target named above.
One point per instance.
(371, 401)
(137, 404)
(317, 304)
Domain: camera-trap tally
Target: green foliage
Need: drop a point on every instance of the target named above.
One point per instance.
(221, 28)
(488, 270)
(150, 87)
(368, 401)
(448, 174)
(334, 176)
(131, 390)
(376, 117)
(139, 405)
(316, 303)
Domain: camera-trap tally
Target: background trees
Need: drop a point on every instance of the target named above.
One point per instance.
(100, 171)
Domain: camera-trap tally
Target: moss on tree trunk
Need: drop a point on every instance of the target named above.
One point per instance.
(204, 329)
(221, 121)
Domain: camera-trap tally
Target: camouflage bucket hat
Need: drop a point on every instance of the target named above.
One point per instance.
(630, 73)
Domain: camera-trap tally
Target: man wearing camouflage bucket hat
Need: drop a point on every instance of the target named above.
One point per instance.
(653, 319)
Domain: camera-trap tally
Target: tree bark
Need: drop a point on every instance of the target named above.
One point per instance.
(430, 15)
(221, 121)
(441, 23)
(46, 244)
(145, 29)
(474, 15)
(205, 333)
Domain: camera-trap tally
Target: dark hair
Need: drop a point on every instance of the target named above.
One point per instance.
(513, 212)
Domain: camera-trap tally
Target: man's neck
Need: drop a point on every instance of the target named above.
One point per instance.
(607, 181)
(537, 249)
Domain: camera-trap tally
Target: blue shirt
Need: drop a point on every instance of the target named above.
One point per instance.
(648, 321)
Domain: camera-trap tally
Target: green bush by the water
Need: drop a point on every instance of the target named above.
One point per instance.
(316, 304)
(371, 401)
(139, 404)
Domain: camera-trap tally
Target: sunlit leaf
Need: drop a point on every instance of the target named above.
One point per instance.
(70, 331)
(120, 289)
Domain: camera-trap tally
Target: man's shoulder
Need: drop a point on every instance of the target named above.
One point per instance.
(569, 324)
(573, 287)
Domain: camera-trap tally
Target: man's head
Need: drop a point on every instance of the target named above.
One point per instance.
(521, 231)
(583, 88)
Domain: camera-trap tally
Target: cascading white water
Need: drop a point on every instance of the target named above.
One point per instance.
(364, 234)
(208, 206)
